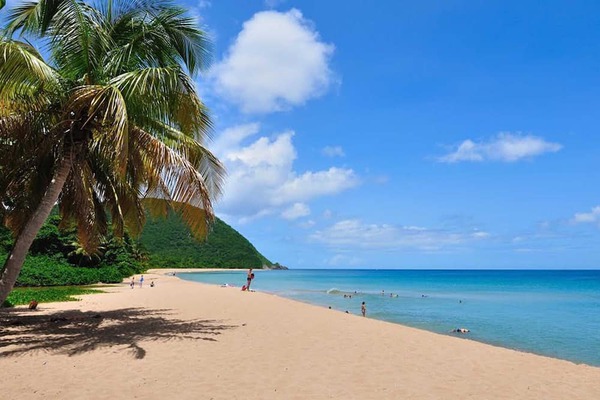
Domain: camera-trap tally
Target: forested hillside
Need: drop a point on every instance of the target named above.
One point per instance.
(56, 259)
(168, 243)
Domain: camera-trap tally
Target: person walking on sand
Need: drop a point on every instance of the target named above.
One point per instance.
(132, 284)
(249, 279)
(363, 309)
(141, 280)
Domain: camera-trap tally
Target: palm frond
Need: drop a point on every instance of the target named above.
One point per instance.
(121, 198)
(191, 43)
(32, 17)
(78, 41)
(173, 179)
(27, 153)
(107, 115)
(164, 94)
(122, 10)
(23, 72)
(156, 34)
(196, 218)
(197, 154)
(80, 205)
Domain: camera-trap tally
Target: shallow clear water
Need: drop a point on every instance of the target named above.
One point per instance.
(553, 313)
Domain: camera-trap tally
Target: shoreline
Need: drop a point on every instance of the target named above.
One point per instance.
(191, 340)
(459, 337)
(167, 271)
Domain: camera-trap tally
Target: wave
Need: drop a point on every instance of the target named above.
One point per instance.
(338, 291)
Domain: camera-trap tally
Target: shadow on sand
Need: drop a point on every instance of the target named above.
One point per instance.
(76, 332)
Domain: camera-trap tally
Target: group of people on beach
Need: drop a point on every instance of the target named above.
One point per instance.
(132, 283)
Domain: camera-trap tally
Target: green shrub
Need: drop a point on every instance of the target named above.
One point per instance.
(49, 271)
(56, 259)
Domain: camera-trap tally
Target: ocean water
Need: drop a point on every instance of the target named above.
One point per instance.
(552, 313)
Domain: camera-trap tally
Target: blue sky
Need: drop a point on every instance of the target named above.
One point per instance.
(403, 134)
(455, 134)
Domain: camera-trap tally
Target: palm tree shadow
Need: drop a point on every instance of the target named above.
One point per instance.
(77, 332)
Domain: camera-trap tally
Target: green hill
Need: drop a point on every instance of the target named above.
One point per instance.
(169, 244)
(56, 259)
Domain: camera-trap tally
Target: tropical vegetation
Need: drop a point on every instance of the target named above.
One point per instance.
(168, 244)
(105, 122)
(56, 259)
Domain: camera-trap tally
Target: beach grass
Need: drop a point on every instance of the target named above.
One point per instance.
(21, 296)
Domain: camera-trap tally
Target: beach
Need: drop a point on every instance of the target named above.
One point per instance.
(188, 340)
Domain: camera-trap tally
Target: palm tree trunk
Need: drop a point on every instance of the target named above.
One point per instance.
(14, 262)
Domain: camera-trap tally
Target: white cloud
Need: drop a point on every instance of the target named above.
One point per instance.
(261, 177)
(333, 151)
(480, 235)
(307, 224)
(276, 62)
(356, 234)
(232, 137)
(316, 184)
(295, 211)
(505, 147)
(266, 152)
(591, 217)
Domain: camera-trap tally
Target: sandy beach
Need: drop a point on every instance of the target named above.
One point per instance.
(184, 340)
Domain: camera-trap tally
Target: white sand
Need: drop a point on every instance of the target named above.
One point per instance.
(259, 347)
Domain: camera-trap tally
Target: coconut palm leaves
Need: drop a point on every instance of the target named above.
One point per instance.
(24, 73)
(114, 108)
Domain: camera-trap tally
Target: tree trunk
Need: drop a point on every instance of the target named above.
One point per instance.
(14, 262)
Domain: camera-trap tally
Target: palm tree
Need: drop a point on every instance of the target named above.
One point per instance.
(107, 125)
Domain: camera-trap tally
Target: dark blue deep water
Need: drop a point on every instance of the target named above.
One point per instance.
(553, 313)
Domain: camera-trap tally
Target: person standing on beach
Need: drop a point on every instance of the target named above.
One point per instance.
(249, 279)
(132, 284)
(141, 280)
(363, 309)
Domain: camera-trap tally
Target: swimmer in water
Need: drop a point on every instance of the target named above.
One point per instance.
(461, 330)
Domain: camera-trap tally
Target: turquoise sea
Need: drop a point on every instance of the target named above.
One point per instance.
(553, 313)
